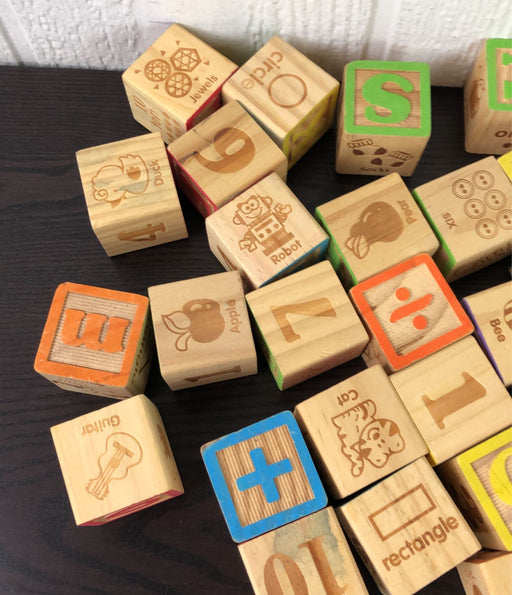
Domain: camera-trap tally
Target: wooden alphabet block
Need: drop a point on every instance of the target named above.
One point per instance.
(130, 194)
(266, 233)
(470, 210)
(202, 330)
(115, 461)
(487, 573)
(263, 476)
(491, 313)
(292, 98)
(410, 312)
(506, 163)
(306, 324)
(374, 228)
(455, 398)
(384, 121)
(222, 156)
(407, 530)
(176, 83)
(310, 555)
(96, 341)
(359, 431)
(479, 480)
(488, 100)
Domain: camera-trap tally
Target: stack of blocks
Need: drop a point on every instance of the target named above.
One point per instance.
(429, 397)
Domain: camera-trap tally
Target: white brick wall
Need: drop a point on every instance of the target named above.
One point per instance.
(110, 34)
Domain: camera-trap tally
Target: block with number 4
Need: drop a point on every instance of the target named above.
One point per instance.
(292, 98)
(222, 156)
(130, 194)
(470, 210)
(266, 233)
(312, 554)
(384, 122)
(408, 530)
(176, 83)
(263, 476)
(115, 461)
(488, 99)
(410, 312)
(202, 330)
(455, 398)
(96, 341)
(306, 324)
(480, 482)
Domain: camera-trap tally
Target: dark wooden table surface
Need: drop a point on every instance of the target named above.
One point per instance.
(181, 546)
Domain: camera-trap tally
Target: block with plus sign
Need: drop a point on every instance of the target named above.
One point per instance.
(96, 341)
(116, 460)
(306, 324)
(455, 398)
(176, 83)
(292, 98)
(407, 529)
(410, 312)
(202, 330)
(266, 233)
(222, 156)
(359, 431)
(384, 121)
(487, 573)
(130, 194)
(313, 553)
(470, 210)
(263, 476)
(491, 313)
(488, 99)
(479, 480)
(373, 228)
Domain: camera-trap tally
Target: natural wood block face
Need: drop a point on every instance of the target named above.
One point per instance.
(202, 330)
(455, 398)
(479, 480)
(359, 431)
(491, 313)
(115, 461)
(488, 100)
(384, 121)
(410, 312)
(130, 194)
(266, 233)
(487, 573)
(263, 476)
(176, 83)
(292, 98)
(374, 228)
(96, 341)
(470, 210)
(307, 324)
(222, 156)
(408, 530)
(310, 555)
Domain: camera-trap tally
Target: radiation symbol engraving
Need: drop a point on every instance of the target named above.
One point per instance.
(172, 72)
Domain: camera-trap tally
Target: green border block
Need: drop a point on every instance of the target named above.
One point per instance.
(491, 45)
(386, 129)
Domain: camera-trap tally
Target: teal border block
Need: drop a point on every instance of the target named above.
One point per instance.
(241, 533)
(423, 130)
(491, 45)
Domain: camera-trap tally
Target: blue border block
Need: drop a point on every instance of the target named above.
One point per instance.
(241, 533)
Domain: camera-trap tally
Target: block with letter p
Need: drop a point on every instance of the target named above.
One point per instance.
(385, 119)
(96, 341)
(263, 476)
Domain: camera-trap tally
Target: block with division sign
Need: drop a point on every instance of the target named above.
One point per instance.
(408, 529)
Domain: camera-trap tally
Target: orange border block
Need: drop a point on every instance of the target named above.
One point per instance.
(433, 342)
(45, 366)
